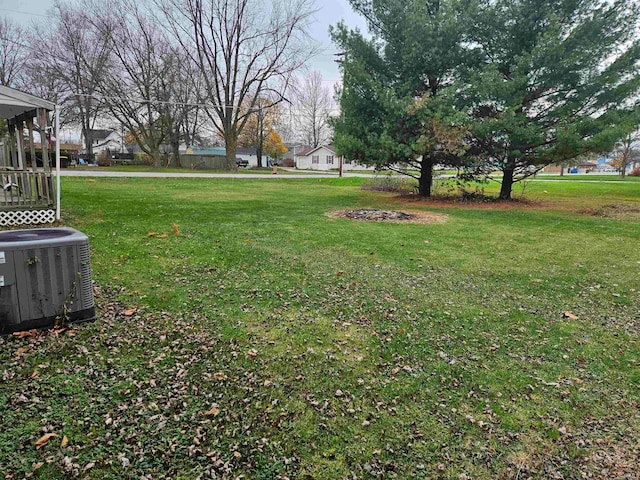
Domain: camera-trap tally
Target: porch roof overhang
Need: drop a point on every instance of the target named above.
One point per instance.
(14, 103)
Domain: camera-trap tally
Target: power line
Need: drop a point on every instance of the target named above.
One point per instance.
(10, 40)
(25, 13)
(285, 113)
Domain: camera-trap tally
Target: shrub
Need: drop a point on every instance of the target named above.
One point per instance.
(390, 183)
(635, 172)
(103, 159)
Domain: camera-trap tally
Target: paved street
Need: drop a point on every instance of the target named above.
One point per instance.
(160, 174)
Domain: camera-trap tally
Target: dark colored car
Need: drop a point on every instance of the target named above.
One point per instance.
(240, 162)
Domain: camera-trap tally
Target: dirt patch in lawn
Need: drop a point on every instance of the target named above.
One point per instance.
(459, 202)
(621, 210)
(390, 216)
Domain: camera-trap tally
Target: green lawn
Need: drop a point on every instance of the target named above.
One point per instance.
(272, 341)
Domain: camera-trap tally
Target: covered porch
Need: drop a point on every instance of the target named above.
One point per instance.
(29, 186)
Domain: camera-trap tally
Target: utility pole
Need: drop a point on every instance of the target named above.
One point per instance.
(341, 160)
(260, 136)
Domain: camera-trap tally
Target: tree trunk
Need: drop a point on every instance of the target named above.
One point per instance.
(157, 160)
(175, 147)
(507, 182)
(85, 107)
(426, 177)
(231, 143)
(562, 170)
(88, 142)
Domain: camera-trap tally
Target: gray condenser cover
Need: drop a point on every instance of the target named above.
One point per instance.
(45, 276)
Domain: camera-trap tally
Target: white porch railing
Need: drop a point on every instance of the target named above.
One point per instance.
(26, 197)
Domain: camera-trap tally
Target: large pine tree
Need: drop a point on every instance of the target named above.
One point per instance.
(396, 108)
(559, 79)
(512, 84)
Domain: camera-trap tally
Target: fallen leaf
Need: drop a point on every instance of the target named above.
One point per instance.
(22, 350)
(36, 466)
(569, 315)
(43, 440)
(237, 454)
(28, 333)
(220, 376)
(89, 466)
(252, 353)
(35, 375)
(213, 412)
(176, 229)
(130, 311)
(152, 234)
(64, 442)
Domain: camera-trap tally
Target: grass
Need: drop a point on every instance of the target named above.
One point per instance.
(271, 341)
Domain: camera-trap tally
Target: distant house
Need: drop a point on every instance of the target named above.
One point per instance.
(324, 157)
(248, 154)
(102, 140)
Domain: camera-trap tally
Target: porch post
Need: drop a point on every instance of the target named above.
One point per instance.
(57, 113)
(42, 124)
(32, 147)
(20, 143)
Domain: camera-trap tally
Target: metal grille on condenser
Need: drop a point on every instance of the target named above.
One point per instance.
(86, 291)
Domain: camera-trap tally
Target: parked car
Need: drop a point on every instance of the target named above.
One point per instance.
(240, 162)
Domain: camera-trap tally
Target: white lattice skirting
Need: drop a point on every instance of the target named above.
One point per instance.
(26, 217)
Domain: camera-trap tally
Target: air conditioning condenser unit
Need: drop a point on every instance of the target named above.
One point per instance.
(45, 278)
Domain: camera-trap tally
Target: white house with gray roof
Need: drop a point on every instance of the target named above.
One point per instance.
(324, 157)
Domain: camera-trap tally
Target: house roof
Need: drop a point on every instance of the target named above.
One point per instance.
(14, 103)
(100, 134)
(63, 146)
(308, 151)
(210, 151)
(304, 151)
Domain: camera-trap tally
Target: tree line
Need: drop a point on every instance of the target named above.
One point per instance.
(486, 85)
(170, 71)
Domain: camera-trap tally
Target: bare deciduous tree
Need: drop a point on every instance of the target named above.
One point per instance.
(13, 54)
(627, 152)
(244, 50)
(80, 60)
(313, 105)
(262, 118)
(136, 87)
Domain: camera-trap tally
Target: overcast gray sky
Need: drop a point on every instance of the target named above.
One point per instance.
(330, 12)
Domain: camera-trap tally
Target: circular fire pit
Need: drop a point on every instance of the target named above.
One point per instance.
(392, 216)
